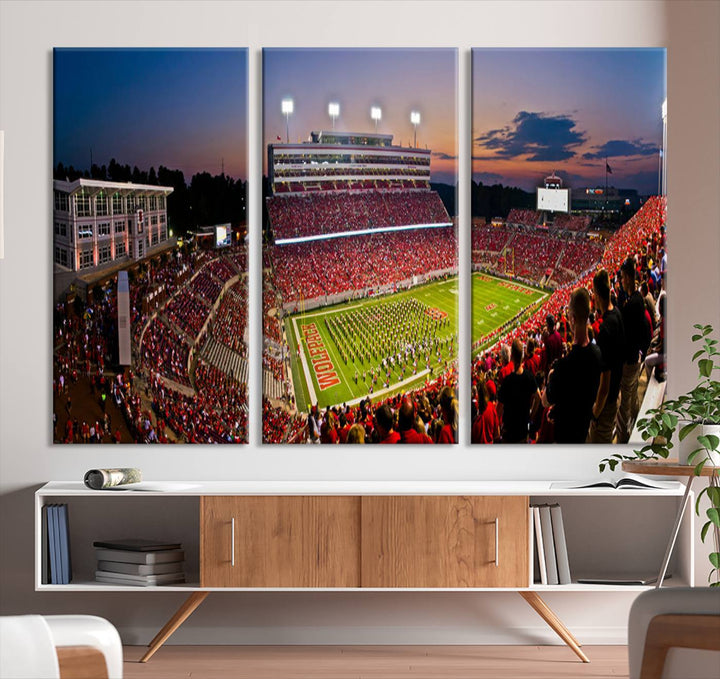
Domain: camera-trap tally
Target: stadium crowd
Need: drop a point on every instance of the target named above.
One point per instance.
(520, 217)
(541, 258)
(425, 415)
(208, 405)
(293, 216)
(624, 325)
(570, 222)
(228, 325)
(338, 265)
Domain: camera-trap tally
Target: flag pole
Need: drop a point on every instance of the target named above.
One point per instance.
(606, 184)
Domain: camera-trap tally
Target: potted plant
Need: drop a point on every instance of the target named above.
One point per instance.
(699, 410)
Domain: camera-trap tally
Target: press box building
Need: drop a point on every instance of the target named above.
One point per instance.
(99, 222)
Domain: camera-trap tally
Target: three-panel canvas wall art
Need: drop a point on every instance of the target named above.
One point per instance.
(358, 235)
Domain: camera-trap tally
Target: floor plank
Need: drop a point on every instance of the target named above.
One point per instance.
(375, 662)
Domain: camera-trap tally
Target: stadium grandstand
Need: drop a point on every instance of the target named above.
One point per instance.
(353, 218)
(187, 382)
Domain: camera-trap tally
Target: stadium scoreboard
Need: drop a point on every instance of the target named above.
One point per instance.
(553, 199)
(223, 235)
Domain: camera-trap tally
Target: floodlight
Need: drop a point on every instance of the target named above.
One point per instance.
(376, 114)
(333, 111)
(415, 120)
(287, 109)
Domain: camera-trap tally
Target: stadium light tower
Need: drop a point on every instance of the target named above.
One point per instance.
(415, 120)
(333, 111)
(376, 114)
(287, 109)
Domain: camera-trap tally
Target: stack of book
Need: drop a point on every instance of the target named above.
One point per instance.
(56, 564)
(552, 565)
(142, 563)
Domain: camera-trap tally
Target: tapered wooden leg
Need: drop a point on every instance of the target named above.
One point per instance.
(181, 615)
(546, 613)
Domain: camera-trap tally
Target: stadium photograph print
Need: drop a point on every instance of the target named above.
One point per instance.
(569, 260)
(150, 246)
(359, 246)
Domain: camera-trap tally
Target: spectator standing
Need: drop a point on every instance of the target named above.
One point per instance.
(486, 427)
(573, 383)
(637, 339)
(449, 407)
(611, 341)
(553, 343)
(515, 398)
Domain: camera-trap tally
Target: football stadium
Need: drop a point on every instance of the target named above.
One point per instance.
(360, 290)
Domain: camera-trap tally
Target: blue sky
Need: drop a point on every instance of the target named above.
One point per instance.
(538, 110)
(182, 108)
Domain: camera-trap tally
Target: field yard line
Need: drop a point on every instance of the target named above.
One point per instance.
(306, 370)
(393, 387)
(504, 280)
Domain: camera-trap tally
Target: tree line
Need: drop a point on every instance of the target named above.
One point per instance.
(497, 200)
(205, 201)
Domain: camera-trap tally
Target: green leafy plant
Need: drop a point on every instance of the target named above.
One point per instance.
(700, 406)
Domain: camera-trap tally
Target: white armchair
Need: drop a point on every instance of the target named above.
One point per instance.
(59, 647)
(674, 633)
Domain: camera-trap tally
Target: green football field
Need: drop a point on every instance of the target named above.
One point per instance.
(342, 347)
(496, 301)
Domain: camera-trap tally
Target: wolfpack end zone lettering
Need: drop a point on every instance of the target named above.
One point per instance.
(320, 358)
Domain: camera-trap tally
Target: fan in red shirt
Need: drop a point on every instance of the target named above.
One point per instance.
(486, 428)
(384, 425)
(449, 407)
(406, 425)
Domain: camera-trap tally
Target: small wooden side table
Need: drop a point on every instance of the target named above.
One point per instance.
(669, 468)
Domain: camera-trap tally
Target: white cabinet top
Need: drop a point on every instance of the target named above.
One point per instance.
(199, 488)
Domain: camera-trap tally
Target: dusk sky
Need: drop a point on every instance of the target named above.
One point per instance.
(539, 110)
(397, 80)
(185, 109)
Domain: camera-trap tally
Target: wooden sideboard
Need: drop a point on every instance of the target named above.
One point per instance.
(361, 536)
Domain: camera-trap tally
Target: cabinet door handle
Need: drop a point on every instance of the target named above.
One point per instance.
(497, 541)
(232, 542)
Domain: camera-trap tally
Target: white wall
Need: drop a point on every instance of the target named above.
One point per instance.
(28, 31)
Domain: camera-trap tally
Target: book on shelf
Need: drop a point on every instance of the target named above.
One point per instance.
(64, 538)
(129, 556)
(45, 559)
(542, 575)
(55, 556)
(139, 580)
(549, 545)
(139, 568)
(561, 551)
(624, 482)
(53, 545)
(550, 553)
(137, 545)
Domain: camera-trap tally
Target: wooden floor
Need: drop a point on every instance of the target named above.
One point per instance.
(375, 662)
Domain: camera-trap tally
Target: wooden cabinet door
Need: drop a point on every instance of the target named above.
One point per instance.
(294, 541)
(444, 541)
